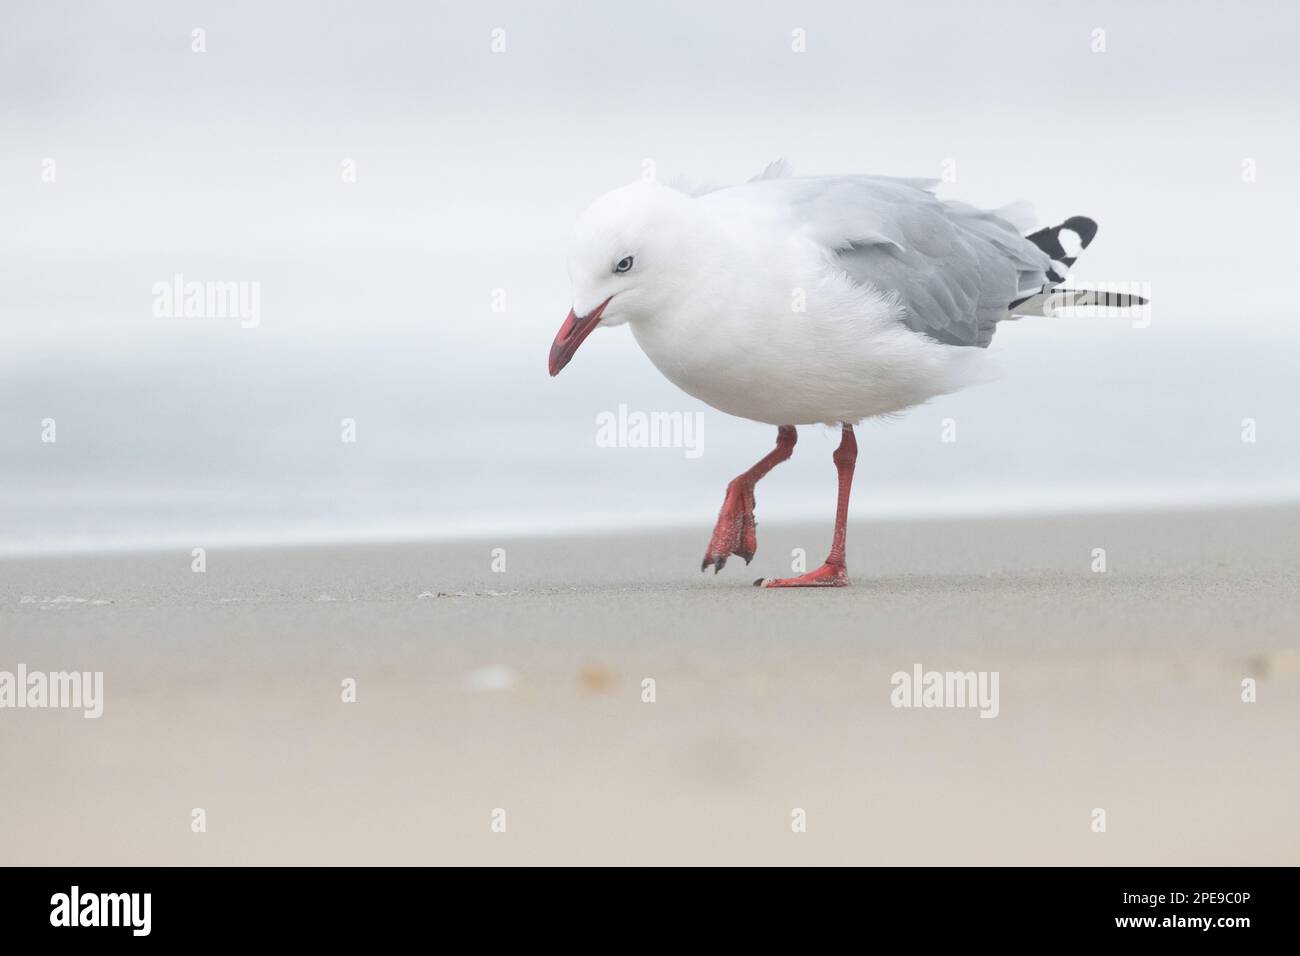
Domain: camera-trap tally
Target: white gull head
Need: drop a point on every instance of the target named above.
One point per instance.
(634, 254)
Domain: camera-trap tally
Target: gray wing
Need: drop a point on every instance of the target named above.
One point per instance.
(954, 268)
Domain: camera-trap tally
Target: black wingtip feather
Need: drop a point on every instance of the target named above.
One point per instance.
(1049, 239)
(1085, 227)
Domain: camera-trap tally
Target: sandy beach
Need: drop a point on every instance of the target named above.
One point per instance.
(480, 690)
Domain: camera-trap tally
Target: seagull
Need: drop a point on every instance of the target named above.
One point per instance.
(805, 300)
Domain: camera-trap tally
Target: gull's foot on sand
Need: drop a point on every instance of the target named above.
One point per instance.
(827, 576)
(734, 533)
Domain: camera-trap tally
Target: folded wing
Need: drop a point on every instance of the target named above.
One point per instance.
(954, 268)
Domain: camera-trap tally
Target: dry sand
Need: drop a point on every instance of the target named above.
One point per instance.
(521, 690)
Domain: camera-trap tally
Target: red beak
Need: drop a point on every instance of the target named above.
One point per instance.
(571, 335)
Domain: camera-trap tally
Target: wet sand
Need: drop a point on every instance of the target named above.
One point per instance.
(521, 690)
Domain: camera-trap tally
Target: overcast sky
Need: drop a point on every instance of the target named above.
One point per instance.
(126, 157)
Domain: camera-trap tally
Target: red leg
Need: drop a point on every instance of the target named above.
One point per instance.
(735, 532)
(834, 573)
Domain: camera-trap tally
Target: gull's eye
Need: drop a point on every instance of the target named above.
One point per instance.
(624, 264)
